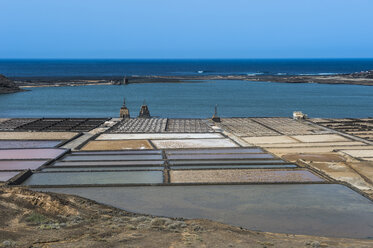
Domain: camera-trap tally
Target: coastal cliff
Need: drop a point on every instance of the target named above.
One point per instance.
(7, 85)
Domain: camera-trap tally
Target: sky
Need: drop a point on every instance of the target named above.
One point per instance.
(186, 29)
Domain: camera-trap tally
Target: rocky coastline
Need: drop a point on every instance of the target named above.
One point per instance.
(8, 86)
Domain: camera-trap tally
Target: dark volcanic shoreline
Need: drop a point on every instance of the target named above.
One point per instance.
(8, 86)
(360, 78)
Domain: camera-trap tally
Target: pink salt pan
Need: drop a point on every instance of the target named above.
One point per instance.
(21, 164)
(5, 176)
(48, 153)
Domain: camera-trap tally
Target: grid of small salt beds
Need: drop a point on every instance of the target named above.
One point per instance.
(161, 125)
(14, 161)
(123, 141)
(12, 124)
(268, 126)
(52, 124)
(362, 128)
(316, 143)
(179, 166)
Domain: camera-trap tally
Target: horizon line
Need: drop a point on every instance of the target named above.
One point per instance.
(293, 58)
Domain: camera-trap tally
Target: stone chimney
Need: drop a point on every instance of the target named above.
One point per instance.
(124, 112)
(125, 80)
(215, 117)
(144, 111)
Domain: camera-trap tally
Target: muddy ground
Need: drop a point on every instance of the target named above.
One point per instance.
(33, 219)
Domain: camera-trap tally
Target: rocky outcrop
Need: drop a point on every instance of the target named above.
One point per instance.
(7, 85)
(362, 74)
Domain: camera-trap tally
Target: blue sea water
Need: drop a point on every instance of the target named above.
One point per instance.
(197, 99)
(114, 68)
(235, 98)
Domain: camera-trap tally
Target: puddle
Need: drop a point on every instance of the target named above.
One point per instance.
(313, 209)
(21, 164)
(81, 178)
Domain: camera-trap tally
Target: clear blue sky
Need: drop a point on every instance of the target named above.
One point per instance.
(186, 28)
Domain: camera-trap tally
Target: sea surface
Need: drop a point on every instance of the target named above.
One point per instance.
(184, 100)
(114, 68)
(194, 99)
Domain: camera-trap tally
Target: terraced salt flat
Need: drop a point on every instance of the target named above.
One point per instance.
(161, 125)
(117, 152)
(232, 162)
(270, 140)
(106, 168)
(359, 153)
(111, 157)
(96, 178)
(28, 143)
(158, 136)
(108, 163)
(62, 124)
(116, 145)
(243, 176)
(140, 125)
(187, 126)
(11, 124)
(220, 156)
(287, 126)
(316, 144)
(315, 149)
(21, 164)
(320, 138)
(361, 128)
(245, 127)
(5, 176)
(193, 143)
(312, 209)
(233, 166)
(37, 135)
(41, 153)
(213, 151)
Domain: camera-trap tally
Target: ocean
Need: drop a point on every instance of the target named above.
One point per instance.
(187, 100)
(115, 68)
(192, 100)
